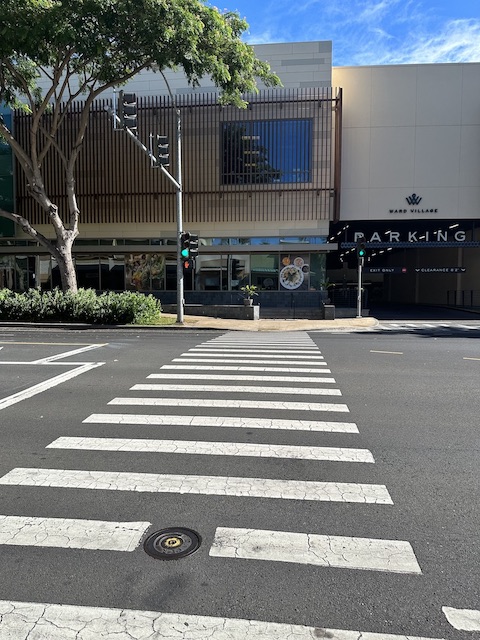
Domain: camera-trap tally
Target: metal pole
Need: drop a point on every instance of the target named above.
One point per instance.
(178, 185)
(180, 298)
(359, 291)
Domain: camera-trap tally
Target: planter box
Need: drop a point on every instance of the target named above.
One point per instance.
(230, 311)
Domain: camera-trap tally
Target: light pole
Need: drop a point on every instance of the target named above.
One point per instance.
(361, 252)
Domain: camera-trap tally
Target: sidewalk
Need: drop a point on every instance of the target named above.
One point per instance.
(222, 324)
(219, 324)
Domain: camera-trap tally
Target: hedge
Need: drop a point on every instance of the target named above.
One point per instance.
(85, 306)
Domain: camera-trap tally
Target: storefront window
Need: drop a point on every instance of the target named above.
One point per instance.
(88, 273)
(264, 271)
(24, 272)
(144, 271)
(44, 274)
(7, 272)
(211, 273)
(171, 272)
(112, 273)
(317, 270)
(239, 271)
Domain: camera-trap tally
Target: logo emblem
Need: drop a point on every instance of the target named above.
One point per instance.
(413, 199)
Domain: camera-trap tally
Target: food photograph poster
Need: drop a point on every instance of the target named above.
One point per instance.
(294, 272)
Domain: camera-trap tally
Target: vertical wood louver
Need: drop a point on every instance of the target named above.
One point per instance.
(283, 165)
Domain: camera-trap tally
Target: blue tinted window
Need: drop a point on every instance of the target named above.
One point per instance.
(267, 151)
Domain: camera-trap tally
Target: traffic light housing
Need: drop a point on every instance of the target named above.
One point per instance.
(163, 151)
(185, 245)
(128, 111)
(193, 245)
(361, 247)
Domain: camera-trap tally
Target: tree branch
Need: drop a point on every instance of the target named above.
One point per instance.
(29, 229)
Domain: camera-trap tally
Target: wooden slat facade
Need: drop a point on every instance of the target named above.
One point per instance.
(116, 184)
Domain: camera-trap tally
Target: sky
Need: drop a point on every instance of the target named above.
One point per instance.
(367, 32)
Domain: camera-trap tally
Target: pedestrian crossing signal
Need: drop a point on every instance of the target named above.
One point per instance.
(188, 265)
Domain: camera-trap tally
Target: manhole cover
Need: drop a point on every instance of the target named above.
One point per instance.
(172, 543)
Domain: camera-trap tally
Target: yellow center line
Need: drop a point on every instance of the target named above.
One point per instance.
(397, 353)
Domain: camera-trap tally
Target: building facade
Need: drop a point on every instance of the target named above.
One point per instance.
(279, 192)
(259, 189)
(411, 181)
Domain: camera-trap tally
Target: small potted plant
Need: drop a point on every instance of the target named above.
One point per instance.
(249, 291)
(324, 287)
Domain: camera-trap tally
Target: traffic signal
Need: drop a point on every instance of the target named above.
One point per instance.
(193, 245)
(185, 244)
(128, 111)
(188, 264)
(361, 247)
(163, 153)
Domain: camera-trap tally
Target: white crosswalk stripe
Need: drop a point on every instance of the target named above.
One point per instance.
(243, 378)
(293, 452)
(236, 360)
(463, 619)
(221, 421)
(419, 326)
(194, 484)
(326, 551)
(277, 353)
(211, 388)
(187, 366)
(24, 620)
(71, 533)
(230, 404)
(259, 354)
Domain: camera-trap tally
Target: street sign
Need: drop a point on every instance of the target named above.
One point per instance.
(385, 269)
(440, 269)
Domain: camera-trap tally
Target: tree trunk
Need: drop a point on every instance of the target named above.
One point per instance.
(64, 258)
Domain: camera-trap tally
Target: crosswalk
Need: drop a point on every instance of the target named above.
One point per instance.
(412, 327)
(225, 365)
(427, 326)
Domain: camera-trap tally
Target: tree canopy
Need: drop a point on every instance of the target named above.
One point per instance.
(53, 52)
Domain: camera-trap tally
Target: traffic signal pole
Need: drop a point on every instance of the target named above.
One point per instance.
(359, 289)
(361, 248)
(180, 288)
(122, 117)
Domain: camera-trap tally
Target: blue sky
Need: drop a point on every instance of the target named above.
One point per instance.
(366, 32)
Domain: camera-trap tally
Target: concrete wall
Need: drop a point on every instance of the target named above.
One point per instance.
(410, 129)
(298, 64)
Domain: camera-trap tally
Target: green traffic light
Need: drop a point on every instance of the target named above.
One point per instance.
(361, 253)
(185, 253)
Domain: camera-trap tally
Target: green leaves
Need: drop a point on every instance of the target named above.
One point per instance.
(113, 38)
(83, 306)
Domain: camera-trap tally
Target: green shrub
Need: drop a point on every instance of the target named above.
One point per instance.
(84, 306)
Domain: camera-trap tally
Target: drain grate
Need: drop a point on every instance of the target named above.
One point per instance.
(172, 543)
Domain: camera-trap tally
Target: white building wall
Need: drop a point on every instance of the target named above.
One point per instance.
(410, 129)
(298, 64)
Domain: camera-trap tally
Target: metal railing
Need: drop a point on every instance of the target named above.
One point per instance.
(346, 296)
(463, 298)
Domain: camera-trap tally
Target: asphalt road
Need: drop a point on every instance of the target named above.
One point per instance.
(414, 399)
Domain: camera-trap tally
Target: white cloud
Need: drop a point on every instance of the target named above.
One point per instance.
(456, 41)
(366, 32)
